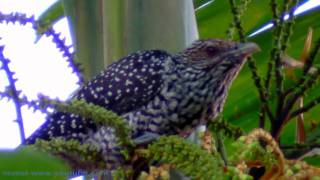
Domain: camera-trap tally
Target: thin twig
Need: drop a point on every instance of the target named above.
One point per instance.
(306, 107)
(13, 92)
(60, 43)
(221, 148)
(251, 63)
(310, 59)
(280, 44)
(286, 33)
(262, 118)
(306, 82)
(300, 146)
(300, 125)
(275, 16)
(311, 80)
(306, 69)
(242, 8)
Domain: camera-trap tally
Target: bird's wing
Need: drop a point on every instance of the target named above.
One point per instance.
(127, 84)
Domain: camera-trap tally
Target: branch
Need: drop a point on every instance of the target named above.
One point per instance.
(281, 39)
(60, 43)
(263, 94)
(311, 80)
(236, 20)
(310, 59)
(300, 146)
(275, 15)
(306, 82)
(262, 118)
(307, 67)
(12, 90)
(232, 26)
(306, 107)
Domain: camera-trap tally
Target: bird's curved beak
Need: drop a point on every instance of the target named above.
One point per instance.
(240, 51)
(245, 49)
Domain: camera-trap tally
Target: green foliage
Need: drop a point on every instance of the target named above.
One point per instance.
(313, 160)
(215, 19)
(186, 156)
(119, 174)
(26, 163)
(79, 156)
(242, 106)
(47, 19)
(252, 152)
(235, 174)
(228, 129)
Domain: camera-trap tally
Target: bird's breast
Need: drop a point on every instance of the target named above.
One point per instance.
(181, 104)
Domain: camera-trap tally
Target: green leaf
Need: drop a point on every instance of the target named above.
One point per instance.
(26, 163)
(198, 3)
(214, 20)
(315, 160)
(52, 15)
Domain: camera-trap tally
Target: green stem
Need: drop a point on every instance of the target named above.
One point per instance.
(221, 149)
(263, 94)
(275, 16)
(276, 53)
(311, 58)
(262, 117)
(306, 107)
(306, 69)
(301, 89)
(286, 33)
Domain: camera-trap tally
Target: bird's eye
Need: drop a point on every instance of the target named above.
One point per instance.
(211, 51)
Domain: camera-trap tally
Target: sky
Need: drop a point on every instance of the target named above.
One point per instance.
(39, 67)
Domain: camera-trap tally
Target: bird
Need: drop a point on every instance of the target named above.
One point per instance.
(155, 92)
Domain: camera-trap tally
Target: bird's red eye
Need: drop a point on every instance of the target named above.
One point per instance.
(211, 51)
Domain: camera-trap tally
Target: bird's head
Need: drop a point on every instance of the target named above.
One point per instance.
(214, 64)
(214, 54)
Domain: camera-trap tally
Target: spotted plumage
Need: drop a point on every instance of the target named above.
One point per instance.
(154, 92)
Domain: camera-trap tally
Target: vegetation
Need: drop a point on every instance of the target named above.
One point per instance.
(276, 92)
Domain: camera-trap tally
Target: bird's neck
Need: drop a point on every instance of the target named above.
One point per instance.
(194, 94)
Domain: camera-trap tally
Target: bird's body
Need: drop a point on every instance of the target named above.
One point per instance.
(154, 92)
